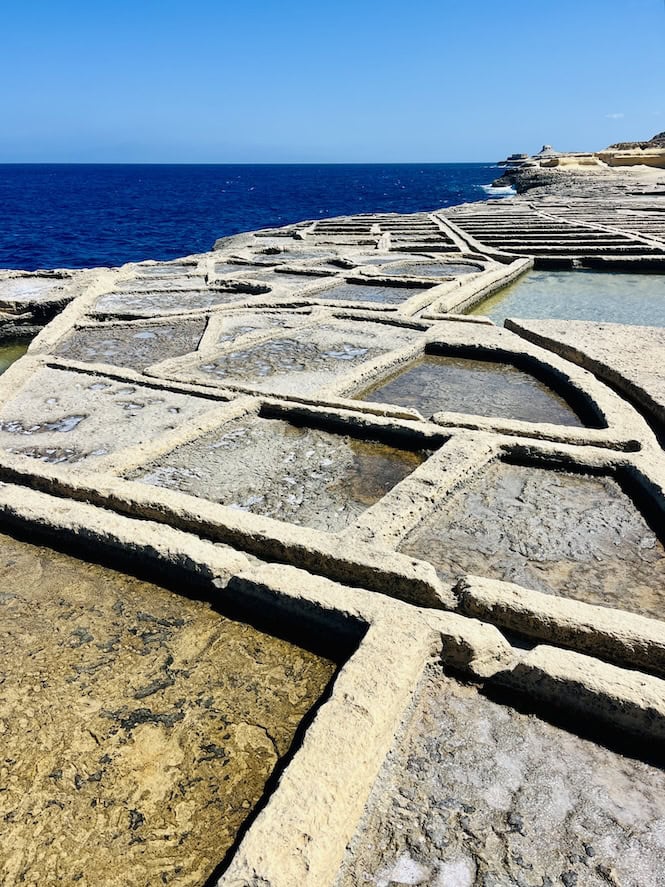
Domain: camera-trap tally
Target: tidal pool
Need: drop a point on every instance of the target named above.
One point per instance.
(358, 292)
(301, 475)
(10, 352)
(581, 295)
(576, 535)
(139, 727)
(133, 346)
(434, 384)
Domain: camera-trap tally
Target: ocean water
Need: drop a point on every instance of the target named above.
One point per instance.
(76, 216)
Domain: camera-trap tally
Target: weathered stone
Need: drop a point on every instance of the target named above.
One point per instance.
(477, 792)
(138, 726)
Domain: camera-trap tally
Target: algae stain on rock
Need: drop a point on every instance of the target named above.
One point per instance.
(138, 727)
(11, 352)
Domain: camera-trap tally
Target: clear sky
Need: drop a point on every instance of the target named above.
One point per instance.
(342, 81)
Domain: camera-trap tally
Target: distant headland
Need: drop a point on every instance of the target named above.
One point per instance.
(527, 171)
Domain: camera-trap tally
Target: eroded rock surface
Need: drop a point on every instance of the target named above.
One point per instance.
(476, 793)
(138, 726)
(554, 531)
(271, 467)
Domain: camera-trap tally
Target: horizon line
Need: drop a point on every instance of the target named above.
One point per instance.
(248, 162)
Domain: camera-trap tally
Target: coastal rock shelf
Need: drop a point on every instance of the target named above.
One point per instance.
(341, 482)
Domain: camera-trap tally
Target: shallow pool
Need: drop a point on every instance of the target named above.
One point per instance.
(581, 295)
(434, 384)
(10, 352)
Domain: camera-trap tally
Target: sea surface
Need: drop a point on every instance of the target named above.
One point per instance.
(85, 215)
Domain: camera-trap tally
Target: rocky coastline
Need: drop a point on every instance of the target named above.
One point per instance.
(620, 166)
(315, 578)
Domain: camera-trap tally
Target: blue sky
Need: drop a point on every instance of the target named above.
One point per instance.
(296, 81)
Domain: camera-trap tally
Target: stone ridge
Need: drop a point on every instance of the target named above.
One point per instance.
(657, 141)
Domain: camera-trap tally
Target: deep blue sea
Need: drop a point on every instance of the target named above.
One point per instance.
(76, 216)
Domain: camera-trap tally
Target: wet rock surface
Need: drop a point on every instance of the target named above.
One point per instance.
(304, 360)
(135, 347)
(357, 292)
(575, 535)
(74, 417)
(477, 794)
(270, 467)
(138, 726)
(435, 384)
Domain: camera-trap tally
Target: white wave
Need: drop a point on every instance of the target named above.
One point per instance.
(503, 191)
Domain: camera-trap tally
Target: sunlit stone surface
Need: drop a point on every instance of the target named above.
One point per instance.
(575, 535)
(479, 793)
(138, 726)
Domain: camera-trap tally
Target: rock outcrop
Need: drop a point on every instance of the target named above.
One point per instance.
(658, 141)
